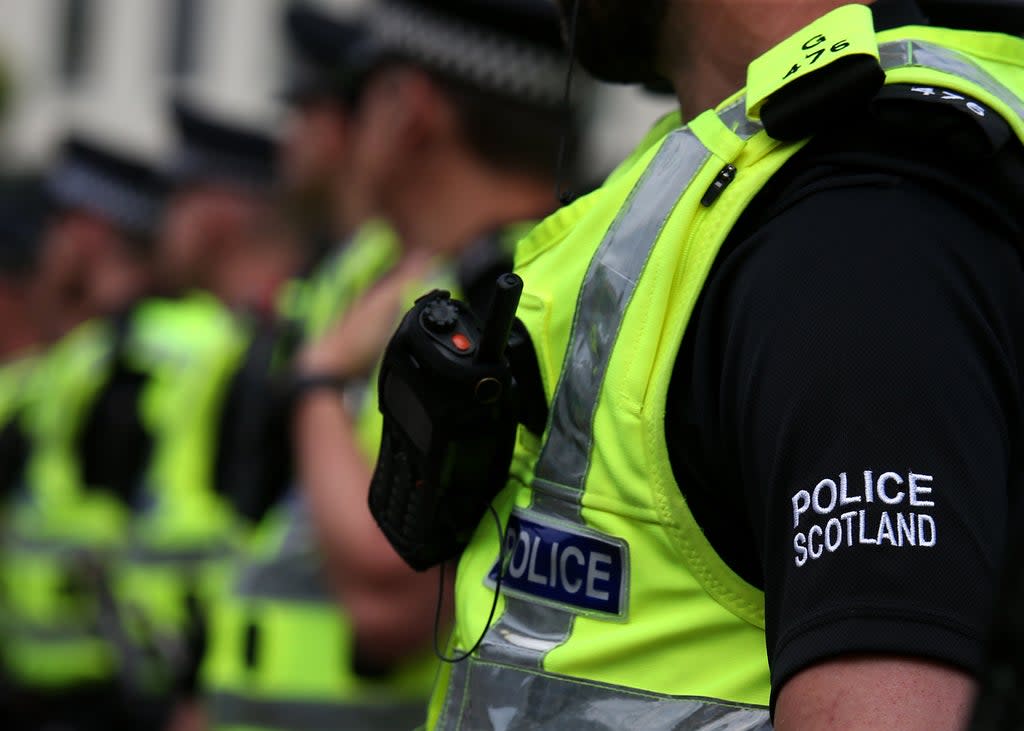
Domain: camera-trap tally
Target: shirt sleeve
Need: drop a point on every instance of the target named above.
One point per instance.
(868, 397)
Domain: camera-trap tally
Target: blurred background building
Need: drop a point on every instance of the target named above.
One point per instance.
(108, 66)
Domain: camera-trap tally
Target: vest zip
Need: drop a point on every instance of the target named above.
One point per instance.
(725, 176)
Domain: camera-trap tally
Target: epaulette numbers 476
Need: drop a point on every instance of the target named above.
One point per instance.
(817, 46)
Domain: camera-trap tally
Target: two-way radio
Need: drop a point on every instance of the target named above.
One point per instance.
(447, 394)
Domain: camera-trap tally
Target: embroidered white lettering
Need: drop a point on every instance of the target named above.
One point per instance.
(886, 498)
(843, 498)
(848, 517)
(869, 526)
(801, 502)
(800, 546)
(869, 486)
(917, 488)
(828, 486)
(831, 544)
(923, 520)
(885, 531)
(810, 541)
(861, 538)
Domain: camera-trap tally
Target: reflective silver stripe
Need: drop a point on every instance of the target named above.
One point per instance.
(899, 54)
(295, 572)
(154, 555)
(534, 701)
(296, 578)
(526, 631)
(24, 633)
(734, 117)
(607, 289)
(231, 709)
(15, 542)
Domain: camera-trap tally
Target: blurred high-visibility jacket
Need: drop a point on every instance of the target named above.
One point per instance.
(281, 651)
(68, 530)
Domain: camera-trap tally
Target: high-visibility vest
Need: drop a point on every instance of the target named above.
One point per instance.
(281, 649)
(317, 300)
(614, 606)
(182, 534)
(71, 610)
(55, 530)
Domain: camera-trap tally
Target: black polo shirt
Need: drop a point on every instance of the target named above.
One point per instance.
(844, 415)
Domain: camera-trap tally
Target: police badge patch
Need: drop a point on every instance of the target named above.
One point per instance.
(564, 565)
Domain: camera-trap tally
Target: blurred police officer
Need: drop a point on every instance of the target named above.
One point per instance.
(224, 253)
(370, 666)
(349, 252)
(280, 656)
(97, 248)
(23, 207)
(223, 231)
(459, 123)
(64, 521)
(315, 145)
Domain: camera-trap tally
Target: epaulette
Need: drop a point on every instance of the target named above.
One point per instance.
(819, 76)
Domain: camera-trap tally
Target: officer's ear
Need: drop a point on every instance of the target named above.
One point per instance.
(431, 117)
(409, 106)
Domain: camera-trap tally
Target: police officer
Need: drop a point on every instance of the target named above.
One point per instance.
(371, 667)
(224, 253)
(315, 143)
(349, 252)
(223, 232)
(280, 655)
(23, 209)
(781, 350)
(96, 249)
(63, 523)
(458, 127)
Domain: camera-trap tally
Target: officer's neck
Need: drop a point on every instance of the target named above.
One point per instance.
(707, 46)
(462, 200)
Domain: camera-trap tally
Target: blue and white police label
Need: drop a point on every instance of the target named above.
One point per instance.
(560, 564)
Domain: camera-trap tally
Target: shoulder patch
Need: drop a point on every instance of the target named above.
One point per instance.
(968, 128)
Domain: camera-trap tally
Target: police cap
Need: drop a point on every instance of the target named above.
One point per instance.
(322, 46)
(110, 183)
(212, 149)
(512, 48)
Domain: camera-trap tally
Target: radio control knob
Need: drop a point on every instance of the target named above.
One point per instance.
(440, 316)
